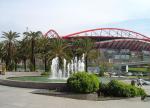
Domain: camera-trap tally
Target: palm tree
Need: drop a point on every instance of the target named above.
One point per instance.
(43, 49)
(32, 36)
(1, 52)
(61, 49)
(16, 56)
(24, 51)
(9, 47)
(85, 45)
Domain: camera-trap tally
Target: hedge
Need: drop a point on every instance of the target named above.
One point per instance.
(83, 82)
(120, 89)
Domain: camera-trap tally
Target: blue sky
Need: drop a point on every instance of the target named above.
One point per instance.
(68, 16)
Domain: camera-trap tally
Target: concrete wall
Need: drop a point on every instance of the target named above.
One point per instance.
(35, 85)
(17, 74)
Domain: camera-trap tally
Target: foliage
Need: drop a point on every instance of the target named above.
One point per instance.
(105, 66)
(31, 67)
(139, 69)
(148, 68)
(32, 42)
(24, 51)
(103, 88)
(34, 46)
(82, 82)
(9, 48)
(86, 46)
(45, 74)
(120, 89)
(43, 49)
(61, 49)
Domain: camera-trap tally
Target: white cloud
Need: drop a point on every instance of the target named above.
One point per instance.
(68, 15)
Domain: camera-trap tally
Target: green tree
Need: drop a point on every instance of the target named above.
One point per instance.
(43, 50)
(16, 56)
(59, 48)
(9, 48)
(24, 51)
(86, 46)
(1, 52)
(104, 64)
(32, 42)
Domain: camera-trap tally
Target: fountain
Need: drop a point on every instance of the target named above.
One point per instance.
(54, 68)
(68, 68)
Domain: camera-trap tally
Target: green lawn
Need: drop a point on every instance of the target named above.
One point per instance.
(138, 70)
(135, 77)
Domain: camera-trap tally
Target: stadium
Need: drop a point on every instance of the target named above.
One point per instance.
(118, 44)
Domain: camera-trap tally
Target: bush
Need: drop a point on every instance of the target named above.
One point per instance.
(103, 88)
(120, 89)
(83, 82)
(45, 73)
(142, 92)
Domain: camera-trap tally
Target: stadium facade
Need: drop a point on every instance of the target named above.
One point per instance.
(116, 44)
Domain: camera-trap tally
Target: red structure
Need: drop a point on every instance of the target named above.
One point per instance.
(110, 38)
(52, 34)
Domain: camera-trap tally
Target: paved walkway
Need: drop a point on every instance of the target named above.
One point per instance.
(11, 97)
(147, 89)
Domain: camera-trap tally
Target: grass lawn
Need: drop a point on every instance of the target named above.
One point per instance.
(135, 77)
(138, 70)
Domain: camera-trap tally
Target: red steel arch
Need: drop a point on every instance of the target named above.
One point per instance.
(115, 38)
(110, 38)
(108, 32)
(52, 34)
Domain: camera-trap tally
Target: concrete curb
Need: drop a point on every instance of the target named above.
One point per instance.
(35, 85)
(28, 84)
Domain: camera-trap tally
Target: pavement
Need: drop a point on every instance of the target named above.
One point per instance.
(12, 97)
(147, 89)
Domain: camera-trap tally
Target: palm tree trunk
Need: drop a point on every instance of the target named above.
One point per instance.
(45, 58)
(25, 65)
(6, 65)
(34, 63)
(86, 63)
(32, 56)
(15, 66)
(45, 63)
(8, 58)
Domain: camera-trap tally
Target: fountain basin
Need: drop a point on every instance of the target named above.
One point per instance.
(34, 82)
(43, 79)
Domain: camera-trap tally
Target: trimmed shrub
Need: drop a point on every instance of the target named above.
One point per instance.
(142, 92)
(83, 82)
(103, 88)
(121, 89)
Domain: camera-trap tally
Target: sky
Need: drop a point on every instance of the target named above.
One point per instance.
(69, 16)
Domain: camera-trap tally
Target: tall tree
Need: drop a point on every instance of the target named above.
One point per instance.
(9, 48)
(43, 49)
(16, 56)
(32, 36)
(24, 51)
(59, 48)
(1, 52)
(85, 45)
